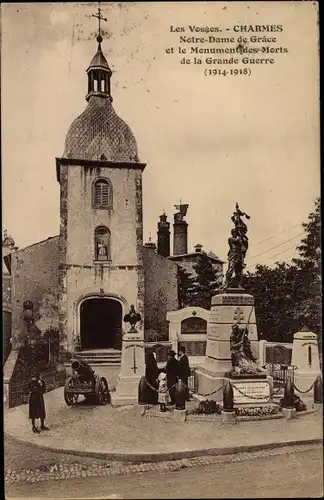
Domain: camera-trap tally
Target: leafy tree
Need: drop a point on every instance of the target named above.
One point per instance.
(288, 296)
(310, 247)
(48, 323)
(156, 325)
(206, 282)
(309, 264)
(186, 287)
(275, 292)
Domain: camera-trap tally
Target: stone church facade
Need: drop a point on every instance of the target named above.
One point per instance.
(98, 264)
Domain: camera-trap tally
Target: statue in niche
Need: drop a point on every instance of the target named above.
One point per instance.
(102, 247)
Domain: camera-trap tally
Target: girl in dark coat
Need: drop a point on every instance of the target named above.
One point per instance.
(37, 388)
(151, 375)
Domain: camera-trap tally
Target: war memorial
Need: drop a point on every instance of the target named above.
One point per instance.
(112, 299)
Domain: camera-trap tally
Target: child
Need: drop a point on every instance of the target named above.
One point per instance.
(36, 402)
(163, 392)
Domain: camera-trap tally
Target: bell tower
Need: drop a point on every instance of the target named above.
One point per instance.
(101, 229)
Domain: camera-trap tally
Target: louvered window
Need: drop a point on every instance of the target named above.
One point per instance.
(102, 194)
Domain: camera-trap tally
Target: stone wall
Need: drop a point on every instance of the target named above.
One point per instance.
(6, 329)
(34, 272)
(161, 293)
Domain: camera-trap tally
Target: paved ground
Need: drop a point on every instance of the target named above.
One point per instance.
(122, 433)
(290, 472)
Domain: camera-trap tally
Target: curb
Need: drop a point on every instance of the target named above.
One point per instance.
(169, 456)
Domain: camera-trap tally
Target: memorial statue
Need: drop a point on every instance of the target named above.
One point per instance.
(242, 358)
(238, 245)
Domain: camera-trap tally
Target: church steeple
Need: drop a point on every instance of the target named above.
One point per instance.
(99, 73)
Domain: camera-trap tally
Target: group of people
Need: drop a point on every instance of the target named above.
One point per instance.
(162, 382)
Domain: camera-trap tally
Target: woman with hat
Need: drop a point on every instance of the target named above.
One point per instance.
(151, 376)
(172, 373)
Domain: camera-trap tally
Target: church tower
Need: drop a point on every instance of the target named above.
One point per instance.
(101, 227)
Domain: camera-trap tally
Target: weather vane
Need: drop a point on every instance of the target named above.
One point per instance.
(100, 18)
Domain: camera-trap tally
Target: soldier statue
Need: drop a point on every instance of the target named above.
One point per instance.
(242, 358)
(238, 244)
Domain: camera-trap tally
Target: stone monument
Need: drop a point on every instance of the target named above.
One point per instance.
(132, 362)
(305, 357)
(232, 342)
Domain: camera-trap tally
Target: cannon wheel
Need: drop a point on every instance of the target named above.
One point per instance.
(102, 391)
(69, 396)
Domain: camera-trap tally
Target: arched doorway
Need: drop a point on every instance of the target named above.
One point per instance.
(101, 323)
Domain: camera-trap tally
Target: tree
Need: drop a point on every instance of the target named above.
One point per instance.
(275, 292)
(206, 282)
(309, 264)
(310, 247)
(186, 287)
(48, 323)
(288, 296)
(156, 325)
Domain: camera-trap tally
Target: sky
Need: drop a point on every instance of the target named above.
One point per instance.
(209, 141)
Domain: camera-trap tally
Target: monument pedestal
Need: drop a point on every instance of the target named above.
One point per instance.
(251, 390)
(132, 369)
(228, 308)
(305, 357)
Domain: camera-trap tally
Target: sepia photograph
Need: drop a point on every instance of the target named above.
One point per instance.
(161, 250)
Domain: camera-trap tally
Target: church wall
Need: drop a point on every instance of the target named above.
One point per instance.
(83, 219)
(34, 272)
(161, 291)
(82, 283)
(81, 275)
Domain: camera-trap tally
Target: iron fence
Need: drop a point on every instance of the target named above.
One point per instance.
(280, 373)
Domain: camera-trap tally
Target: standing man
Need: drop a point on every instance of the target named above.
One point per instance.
(172, 373)
(184, 368)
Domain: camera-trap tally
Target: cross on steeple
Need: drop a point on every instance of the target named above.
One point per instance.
(100, 18)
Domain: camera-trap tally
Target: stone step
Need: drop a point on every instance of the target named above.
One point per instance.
(99, 352)
(102, 357)
(104, 362)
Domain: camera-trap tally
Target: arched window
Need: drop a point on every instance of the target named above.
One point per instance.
(102, 243)
(102, 194)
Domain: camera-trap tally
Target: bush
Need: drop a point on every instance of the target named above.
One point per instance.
(207, 407)
(256, 411)
(299, 405)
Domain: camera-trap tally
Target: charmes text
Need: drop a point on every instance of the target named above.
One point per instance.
(238, 28)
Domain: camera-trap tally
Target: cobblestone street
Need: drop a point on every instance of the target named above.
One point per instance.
(54, 469)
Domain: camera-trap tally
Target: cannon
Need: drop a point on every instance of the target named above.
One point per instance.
(87, 383)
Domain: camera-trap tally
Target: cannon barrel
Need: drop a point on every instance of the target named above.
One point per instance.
(82, 368)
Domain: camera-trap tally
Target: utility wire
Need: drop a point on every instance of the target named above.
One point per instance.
(275, 255)
(277, 234)
(276, 246)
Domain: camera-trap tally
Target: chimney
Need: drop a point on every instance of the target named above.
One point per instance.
(180, 231)
(198, 248)
(163, 234)
(150, 244)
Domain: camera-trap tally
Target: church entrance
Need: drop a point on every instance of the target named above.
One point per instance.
(101, 324)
